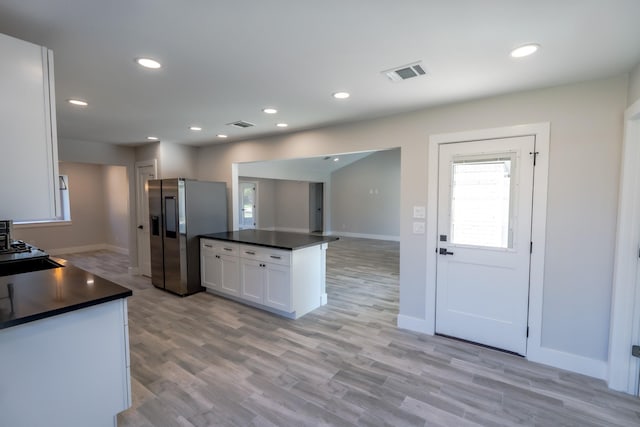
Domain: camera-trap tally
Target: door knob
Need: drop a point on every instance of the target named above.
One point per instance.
(141, 227)
(444, 251)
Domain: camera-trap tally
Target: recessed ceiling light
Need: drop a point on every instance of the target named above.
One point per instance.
(269, 110)
(77, 102)
(525, 50)
(152, 138)
(221, 135)
(337, 159)
(282, 125)
(148, 63)
(195, 128)
(341, 95)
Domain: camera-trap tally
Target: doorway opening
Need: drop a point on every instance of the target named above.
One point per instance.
(316, 207)
(248, 208)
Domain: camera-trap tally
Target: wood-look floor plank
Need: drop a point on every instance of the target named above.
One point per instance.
(203, 360)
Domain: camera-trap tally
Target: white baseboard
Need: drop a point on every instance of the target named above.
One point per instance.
(87, 248)
(323, 299)
(112, 248)
(570, 362)
(76, 249)
(414, 324)
(364, 236)
(558, 359)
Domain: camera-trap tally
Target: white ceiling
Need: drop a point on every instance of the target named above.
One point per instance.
(225, 60)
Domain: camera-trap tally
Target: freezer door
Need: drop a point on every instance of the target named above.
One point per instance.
(157, 232)
(173, 239)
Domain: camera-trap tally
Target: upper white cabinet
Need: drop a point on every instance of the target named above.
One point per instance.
(28, 137)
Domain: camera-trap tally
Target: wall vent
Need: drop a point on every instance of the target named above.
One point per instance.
(241, 124)
(405, 72)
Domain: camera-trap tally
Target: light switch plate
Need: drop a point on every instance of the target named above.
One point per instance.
(419, 211)
(418, 227)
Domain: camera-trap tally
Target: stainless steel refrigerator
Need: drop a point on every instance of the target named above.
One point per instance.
(179, 211)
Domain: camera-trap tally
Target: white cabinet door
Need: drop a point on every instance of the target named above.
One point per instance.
(210, 267)
(28, 132)
(277, 285)
(229, 276)
(252, 280)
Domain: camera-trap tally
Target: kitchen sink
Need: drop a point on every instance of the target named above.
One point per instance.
(27, 265)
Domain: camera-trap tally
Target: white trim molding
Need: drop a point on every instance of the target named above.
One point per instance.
(414, 324)
(363, 236)
(87, 248)
(624, 369)
(76, 249)
(568, 361)
(535, 351)
(42, 224)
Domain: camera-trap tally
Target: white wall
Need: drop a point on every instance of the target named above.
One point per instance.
(88, 216)
(283, 170)
(150, 151)
(292, 206)
(116, 194)
(177, 161)
(106, 154)
(99, 203)
(71, 150)
(586, 135)
(366, 196)
(634, 85)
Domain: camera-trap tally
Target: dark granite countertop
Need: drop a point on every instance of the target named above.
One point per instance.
(41, 294)
(271, 239)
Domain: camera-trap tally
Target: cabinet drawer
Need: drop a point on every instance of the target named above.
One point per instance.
(207, 244)
(219, 246)
(264, 254)
(228, 248)
(249, 252)
(275, 256)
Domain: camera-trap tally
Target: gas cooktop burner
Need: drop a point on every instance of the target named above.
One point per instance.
(16, 247)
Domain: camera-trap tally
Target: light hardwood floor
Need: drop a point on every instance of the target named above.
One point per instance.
(207, 361)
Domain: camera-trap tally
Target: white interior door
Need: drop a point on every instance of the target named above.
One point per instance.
(635, 328)
(485, 193)
(143, 174)
(248, 211)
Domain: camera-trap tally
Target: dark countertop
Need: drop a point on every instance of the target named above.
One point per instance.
(271, 239)
(41, 294)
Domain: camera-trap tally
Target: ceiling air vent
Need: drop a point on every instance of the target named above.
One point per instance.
(241, 124)
(405, 72)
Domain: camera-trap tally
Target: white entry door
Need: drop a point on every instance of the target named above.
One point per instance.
(485, 191)
(248, 211)
(143, 174)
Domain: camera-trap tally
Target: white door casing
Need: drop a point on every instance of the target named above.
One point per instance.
(484, 229)
(623, 369)
(536, 352)
(145, 171)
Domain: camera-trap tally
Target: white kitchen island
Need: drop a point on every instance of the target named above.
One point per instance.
(280, 272)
